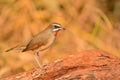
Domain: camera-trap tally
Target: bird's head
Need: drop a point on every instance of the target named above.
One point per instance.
(56, 28)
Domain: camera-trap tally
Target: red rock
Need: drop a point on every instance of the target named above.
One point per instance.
(86, 65)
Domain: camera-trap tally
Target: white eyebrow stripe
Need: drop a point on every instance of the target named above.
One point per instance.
(56, 24)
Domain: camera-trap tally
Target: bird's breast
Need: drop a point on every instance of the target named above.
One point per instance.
(49, 41)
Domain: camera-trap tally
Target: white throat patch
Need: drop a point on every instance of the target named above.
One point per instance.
(56, 29)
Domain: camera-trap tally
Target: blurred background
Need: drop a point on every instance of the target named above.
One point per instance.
(90, 24)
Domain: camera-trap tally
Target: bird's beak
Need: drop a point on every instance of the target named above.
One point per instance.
(63, 28)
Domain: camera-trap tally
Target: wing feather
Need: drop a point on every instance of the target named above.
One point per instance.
(35, 43)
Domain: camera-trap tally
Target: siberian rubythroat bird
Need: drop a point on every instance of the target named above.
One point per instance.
(41, 41)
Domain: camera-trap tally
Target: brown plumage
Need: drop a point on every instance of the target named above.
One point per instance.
(41, 41)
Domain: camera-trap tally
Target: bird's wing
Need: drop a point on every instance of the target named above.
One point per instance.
(35, 43)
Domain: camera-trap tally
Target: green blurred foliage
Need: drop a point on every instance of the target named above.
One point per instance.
(90, 24)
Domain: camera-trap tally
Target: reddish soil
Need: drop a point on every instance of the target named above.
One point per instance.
(86, 65)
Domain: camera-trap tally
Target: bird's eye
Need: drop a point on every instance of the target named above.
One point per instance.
(56, 26)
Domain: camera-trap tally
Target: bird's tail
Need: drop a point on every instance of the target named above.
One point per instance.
(11, 49)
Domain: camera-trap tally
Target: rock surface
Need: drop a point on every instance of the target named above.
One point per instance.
(86, 65)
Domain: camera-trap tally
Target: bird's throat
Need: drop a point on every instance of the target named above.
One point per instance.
(56, 32)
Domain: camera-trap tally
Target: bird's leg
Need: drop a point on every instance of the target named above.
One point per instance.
(36, 56)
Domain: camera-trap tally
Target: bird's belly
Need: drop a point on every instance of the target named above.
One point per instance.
(49, 43)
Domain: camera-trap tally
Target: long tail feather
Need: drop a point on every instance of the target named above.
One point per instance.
(11, 49)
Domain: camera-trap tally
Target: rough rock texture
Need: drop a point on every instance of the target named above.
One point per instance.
(87, 65)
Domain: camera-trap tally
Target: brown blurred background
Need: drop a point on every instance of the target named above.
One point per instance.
(90, 24)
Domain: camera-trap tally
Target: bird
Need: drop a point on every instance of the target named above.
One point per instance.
(40, 41)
